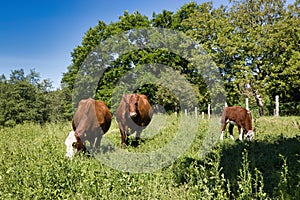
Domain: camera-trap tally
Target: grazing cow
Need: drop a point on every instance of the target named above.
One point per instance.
(236, 115)
(91, 120)
(134, 112)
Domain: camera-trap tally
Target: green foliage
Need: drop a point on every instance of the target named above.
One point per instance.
(253, 43)
(24, 98)
(283, 185)
(249, 187)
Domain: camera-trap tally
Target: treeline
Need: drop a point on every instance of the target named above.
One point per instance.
(254, 44)
(26, 98)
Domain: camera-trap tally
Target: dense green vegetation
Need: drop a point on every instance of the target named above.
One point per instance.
(33, 165)
(254, 44)
(26, 98)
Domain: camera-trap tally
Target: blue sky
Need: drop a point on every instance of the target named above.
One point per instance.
(41, 34)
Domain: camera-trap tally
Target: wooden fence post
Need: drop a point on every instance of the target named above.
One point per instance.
(247, 103)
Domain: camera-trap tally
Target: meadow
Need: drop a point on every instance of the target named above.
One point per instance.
(33, 164)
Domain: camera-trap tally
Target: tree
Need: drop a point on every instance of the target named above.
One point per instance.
(254, 44)
(163, 20)
(269, 38)
(90, 41)
(26, 98)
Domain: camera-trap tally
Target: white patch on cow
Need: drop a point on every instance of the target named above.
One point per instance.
(70, 140)
(241, 135)
(132, 114)
(249, 136)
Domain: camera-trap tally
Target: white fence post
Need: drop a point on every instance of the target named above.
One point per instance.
(196, 112)
(202, 115)
(185, 112)
(247, 103)
(277, 106)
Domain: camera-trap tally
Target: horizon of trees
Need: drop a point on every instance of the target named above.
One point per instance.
(254, 44)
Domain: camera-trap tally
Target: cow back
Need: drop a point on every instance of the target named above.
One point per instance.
(239, 115)
(91, 115)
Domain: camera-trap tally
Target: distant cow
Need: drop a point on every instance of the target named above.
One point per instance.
(134, 112)
(91, 120)
(236, 115)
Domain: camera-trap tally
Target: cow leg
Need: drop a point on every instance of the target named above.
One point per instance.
(123, 135)
(222, 130)
(138, 133)
(98, 141)
(241, 133)
(231, 126)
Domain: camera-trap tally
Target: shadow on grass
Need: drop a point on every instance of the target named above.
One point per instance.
(265, 156)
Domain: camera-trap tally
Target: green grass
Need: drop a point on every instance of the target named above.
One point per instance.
(33, 164)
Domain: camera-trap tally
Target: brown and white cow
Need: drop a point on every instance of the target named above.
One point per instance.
(91, 120)
(236, 115)
(134, 112)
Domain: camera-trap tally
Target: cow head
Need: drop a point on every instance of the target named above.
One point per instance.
(249, 135)
(73, 145)
(133, 105)
(70, 143)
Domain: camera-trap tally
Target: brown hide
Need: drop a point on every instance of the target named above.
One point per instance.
(134, 112)
(241, 116)
(91, 120)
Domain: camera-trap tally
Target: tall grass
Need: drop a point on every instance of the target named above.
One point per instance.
(33, 166)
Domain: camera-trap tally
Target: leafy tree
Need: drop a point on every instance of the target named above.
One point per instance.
(268, 38)
(25, 98)
(163, 20)
(255, 45)
(59, 105)
(252, 43)
(89, 42)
